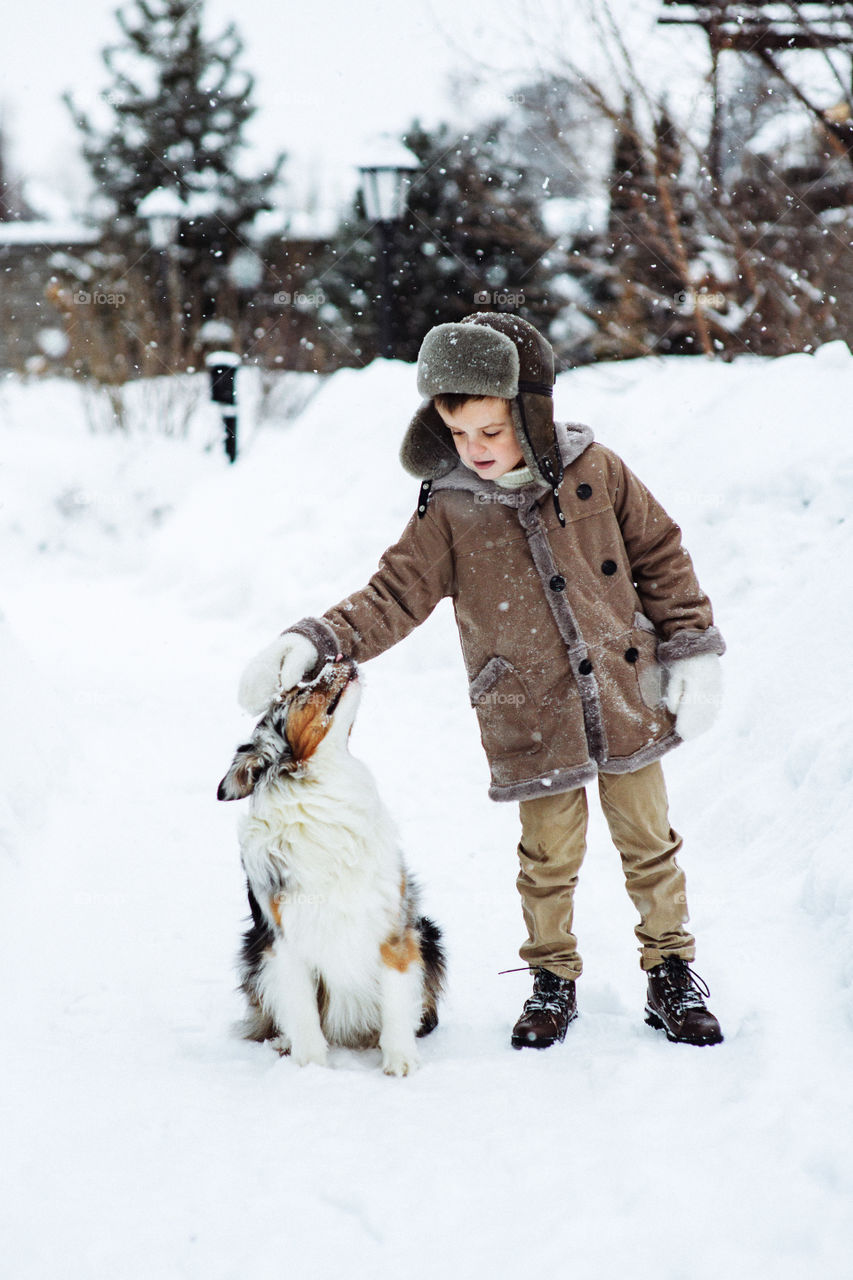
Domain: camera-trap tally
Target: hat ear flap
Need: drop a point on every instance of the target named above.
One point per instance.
(427, 450)
(533, 420)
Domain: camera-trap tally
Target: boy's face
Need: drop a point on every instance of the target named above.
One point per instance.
(484, 436)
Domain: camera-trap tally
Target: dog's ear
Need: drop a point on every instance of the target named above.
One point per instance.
(246, 767)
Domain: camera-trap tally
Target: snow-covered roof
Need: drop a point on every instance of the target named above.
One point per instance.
(384, 151)
(295, 224)
(41, 231)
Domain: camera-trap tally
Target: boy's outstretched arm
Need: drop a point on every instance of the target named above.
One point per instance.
(413, 575)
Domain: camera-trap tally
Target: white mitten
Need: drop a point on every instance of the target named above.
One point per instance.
(694, 693)
(280, 666)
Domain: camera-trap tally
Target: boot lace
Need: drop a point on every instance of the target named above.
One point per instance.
(550, 993)
(688, 990)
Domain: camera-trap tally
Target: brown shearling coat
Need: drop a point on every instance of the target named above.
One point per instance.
(566, 632)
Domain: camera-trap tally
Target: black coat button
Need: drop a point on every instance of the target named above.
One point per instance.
(584, 491)
(585, 667)
(609, 567)
(557, 583)
(632, 654)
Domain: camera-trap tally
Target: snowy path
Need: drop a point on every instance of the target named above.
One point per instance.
(140, 1140)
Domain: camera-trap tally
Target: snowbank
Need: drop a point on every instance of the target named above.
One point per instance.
(32, 743)
(140, 573)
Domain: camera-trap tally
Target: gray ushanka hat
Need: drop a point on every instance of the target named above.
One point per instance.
(486, 354)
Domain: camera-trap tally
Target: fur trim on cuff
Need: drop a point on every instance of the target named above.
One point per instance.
(646, 755)
(551, 784)
(321, 636)
(689, 643)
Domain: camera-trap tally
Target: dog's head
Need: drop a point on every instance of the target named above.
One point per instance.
(302, 724)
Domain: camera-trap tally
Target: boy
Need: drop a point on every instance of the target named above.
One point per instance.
(589, 646)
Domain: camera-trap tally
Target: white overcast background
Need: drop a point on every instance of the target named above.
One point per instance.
(329, 78)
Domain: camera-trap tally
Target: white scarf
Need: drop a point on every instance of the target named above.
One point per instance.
(515, 479)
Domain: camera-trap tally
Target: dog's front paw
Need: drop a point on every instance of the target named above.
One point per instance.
(400, 1062)
(304, 1055)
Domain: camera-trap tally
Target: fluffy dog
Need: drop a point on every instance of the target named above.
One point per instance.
(337, 952)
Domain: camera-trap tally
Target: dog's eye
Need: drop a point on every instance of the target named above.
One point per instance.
(331, 708)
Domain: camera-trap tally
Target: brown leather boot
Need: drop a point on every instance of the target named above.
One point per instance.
(546, 1015)
(675, 1004)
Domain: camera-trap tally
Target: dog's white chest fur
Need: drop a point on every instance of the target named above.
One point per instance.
(336, 850)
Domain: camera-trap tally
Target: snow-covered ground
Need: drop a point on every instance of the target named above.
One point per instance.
(139, 1138)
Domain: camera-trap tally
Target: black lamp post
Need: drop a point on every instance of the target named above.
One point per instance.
(222, 369)
(384, 184)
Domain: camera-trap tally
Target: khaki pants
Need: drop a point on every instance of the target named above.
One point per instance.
(553, 843)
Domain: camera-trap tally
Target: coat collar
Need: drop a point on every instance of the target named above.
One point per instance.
(572, 438)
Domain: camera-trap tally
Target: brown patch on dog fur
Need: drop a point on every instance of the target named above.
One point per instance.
(398, 953)
(275, 908)
(307, 726)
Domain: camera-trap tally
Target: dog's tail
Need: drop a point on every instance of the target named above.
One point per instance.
(435, 970)
(257, 1024)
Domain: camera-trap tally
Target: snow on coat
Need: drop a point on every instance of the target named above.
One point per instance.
(566, 631)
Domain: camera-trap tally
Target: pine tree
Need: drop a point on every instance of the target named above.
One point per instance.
(630, 192)
(472, 239)
(644, 298)
(178, 105)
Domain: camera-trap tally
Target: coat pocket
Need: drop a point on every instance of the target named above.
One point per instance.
(649, 672)
(504, 710)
